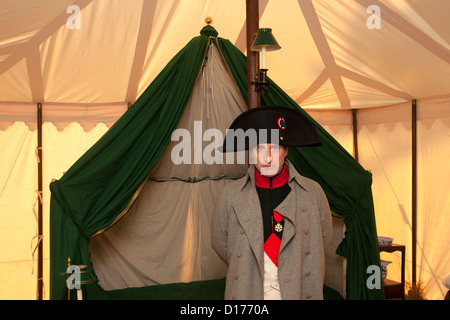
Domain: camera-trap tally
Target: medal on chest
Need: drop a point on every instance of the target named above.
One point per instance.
(277, 222)
(278, 227)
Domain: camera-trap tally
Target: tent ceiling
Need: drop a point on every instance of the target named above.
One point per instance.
(329, 58)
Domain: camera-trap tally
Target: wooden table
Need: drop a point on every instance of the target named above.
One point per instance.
(394, 289)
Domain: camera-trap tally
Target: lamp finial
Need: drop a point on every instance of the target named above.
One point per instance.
(208, 20)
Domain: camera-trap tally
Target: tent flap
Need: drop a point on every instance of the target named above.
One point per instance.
(101, 185)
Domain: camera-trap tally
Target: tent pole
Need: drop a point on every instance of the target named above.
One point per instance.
(414, 187)
(252, 13)
(40, 231)
(355, 134)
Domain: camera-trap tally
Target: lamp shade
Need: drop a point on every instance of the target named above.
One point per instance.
(265, 40)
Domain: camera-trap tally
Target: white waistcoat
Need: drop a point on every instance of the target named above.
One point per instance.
(271, 285)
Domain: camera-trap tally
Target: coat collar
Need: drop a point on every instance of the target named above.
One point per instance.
(293, 176)
(274, 182)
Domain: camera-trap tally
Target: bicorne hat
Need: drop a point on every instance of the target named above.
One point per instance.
(291, 128)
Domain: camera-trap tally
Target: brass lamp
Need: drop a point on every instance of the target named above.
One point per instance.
(264, 41)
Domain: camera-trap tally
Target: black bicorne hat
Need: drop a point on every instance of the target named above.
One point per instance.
(294, 129)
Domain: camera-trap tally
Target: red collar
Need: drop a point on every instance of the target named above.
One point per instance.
(277, 181)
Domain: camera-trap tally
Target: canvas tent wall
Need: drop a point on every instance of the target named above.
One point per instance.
(85, 78)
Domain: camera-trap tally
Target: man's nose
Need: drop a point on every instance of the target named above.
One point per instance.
(268, 156)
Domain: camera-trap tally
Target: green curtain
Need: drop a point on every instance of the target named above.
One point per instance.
(100, 187)
(346, 184)
(104, 181)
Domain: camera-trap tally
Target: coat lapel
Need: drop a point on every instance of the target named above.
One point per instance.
(287, 209)
(248, 212)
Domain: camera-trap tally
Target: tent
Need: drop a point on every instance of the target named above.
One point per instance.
(348, 67)
(101, 188)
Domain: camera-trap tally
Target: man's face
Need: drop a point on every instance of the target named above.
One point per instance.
(269, 158)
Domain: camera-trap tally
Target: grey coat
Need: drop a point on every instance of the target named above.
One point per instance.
(237, 236)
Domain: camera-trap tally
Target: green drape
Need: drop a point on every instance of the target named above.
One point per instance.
(100, 187)
(93, 193)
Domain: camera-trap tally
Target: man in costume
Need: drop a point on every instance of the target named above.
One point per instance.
(273, 225)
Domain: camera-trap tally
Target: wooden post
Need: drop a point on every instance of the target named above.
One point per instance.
(252, 12)
(40, 284)
(414, 187)
(355, 134)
